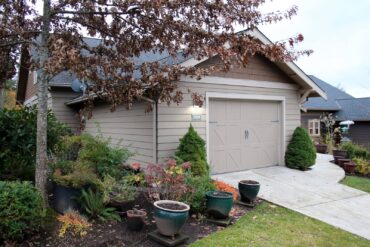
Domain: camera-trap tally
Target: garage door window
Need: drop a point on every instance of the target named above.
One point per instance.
(314, 127)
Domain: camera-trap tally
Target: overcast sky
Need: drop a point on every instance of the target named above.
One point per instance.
(339, 33)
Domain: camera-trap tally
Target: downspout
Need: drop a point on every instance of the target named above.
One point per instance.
(155, 128)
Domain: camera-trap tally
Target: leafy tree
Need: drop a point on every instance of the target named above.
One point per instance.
(301, 152)
(199, 29)
(192, 149)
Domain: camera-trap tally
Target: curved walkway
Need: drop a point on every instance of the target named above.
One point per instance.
(316, 193)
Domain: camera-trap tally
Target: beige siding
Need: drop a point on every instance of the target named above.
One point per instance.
(129, 128)
(63, 113)
(173, 120)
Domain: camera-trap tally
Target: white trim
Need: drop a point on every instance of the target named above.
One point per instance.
(315, 123)
(280, 99)
(239, 82)
(30, 101)
(34, 77)
(302, 77)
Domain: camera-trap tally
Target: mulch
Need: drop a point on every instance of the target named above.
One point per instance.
(110, 234)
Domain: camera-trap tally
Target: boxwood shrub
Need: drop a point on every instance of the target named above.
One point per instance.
(301, 152)
(355, 150)
(21, 210)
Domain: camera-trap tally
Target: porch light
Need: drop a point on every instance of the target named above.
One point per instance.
(196, 113)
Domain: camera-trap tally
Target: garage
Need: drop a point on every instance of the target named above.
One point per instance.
(244, 134)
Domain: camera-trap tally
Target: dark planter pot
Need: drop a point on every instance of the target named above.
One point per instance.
(322, 148)
(341, 153)
(219, 203)
(248, 190)
(341, 162)
(170, 216)
(122, 207)
(65, 198)
(336, 159)
(349, 167)
(135, 219)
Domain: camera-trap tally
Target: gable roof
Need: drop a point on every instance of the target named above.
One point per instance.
(333, 93)
(345, 106)
(356, 109)
(65, 78)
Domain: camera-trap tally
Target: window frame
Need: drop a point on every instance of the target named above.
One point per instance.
(316, 125)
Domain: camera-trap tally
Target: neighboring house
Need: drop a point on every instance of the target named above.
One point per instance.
(248, 117)
(344, 107)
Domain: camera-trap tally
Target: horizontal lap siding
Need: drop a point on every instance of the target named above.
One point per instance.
(174, 120)
(62, 112)
(132, 129)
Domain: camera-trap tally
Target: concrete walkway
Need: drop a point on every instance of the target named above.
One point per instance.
(316, 193)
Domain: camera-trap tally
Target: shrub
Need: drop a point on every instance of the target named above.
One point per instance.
(74, 222)
(192, 149)
(166, 181)
(301, 153)
(354, 150)
(195, 197)
(95, 152)
(21, 210)
(117, 191)
(362, 166)
(226, 187)
(93, 204)
(18, 142)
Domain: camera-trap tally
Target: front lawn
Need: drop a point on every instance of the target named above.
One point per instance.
(270, 225)
(358, 183)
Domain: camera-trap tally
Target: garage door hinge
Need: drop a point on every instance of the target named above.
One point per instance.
(213, 122)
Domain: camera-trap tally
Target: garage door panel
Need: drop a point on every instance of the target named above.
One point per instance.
(243, 134)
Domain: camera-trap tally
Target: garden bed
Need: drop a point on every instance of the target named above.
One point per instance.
(117, 234)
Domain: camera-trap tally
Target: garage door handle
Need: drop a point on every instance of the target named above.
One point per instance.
(246, 134)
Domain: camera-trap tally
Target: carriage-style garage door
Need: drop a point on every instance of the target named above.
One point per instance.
(243, 134)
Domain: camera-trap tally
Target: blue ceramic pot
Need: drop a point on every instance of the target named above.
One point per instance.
(219, 203)
(170, 216)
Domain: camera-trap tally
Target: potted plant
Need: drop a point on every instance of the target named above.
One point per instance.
(166, 187)
(170, 216)
(69, 179)
(135, 219)
(340, 153)
(342, 161)
(349, 167)
(118, 194)
(321, 148)
(248, 190)
(219, 203)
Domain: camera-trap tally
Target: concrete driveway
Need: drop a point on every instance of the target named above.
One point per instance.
(316, 193)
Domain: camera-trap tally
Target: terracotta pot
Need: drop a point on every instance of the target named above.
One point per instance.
(170, 221)
(321, 148)
(135, 219)
(341, 162)
(349, 167)
(248, 190)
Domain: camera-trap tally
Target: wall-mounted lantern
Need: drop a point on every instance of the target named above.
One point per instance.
(196, 113)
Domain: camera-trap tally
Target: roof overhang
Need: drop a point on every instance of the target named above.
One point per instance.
(289, 68)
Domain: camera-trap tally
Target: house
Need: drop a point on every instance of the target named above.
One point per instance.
(247, 120)
(344, 107)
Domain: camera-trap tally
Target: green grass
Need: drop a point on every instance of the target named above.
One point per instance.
(270, 225)
(357, 183)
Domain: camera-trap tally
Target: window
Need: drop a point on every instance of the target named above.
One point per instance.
(314, 127)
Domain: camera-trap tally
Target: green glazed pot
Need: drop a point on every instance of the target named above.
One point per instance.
(169, 221)
(219, 203)
(248, 190)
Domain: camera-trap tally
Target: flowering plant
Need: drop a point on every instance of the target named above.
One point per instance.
(167, 181)
(226, 187)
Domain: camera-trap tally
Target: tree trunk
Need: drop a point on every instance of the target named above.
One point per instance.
(2, 97)
(41, 173)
